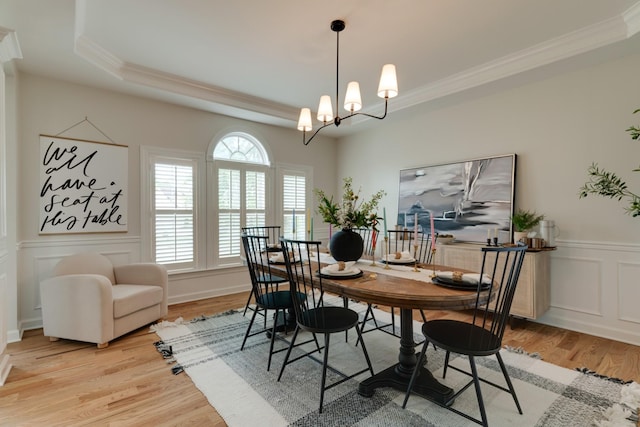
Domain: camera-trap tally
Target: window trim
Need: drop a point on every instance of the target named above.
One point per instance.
(148, 157)
(213, 260)
(283, 169)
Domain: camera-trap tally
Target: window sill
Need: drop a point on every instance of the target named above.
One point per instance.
(202, 272)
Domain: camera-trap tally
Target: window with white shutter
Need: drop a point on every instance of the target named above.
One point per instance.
(174, 218)
(192, 215)
(294, 205)
(242, 170)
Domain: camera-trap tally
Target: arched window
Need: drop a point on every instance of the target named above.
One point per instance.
(240, 147)
(243, 186)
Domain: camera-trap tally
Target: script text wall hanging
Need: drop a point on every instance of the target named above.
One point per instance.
(83, 186)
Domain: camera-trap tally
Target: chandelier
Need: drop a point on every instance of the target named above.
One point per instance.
(388, 88)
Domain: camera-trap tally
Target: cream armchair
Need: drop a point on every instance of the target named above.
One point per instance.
(89, 299)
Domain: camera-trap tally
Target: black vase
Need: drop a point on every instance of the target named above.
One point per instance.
(346, 245)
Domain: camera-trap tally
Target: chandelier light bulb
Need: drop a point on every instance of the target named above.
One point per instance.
(304, 122)
(352, 100)
(388, 87)
(325, 111)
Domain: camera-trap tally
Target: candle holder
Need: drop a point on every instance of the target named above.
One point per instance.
(488, 241)
(385, 252)
(373, 255)
(495, 241)
(433, 263)
(415, 257)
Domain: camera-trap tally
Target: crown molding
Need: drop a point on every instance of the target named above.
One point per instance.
(133, 73)
(199, 90)
(632, 19)
(566, 46)
(601, 34)
(9, 46)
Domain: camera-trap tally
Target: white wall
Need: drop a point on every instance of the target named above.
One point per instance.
(557, 127)
(49, 107)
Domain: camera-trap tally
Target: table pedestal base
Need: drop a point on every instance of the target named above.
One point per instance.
(281, 325)
(398, 376)
(426, 385)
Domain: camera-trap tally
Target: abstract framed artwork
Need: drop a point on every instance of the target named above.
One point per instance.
(471, 199)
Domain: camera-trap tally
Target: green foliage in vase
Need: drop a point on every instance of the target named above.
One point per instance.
(604, 183)
(525, 220)
(350, 212)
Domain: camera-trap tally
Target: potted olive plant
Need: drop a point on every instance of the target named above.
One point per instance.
(523, 222)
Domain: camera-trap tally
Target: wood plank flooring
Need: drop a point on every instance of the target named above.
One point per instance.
(68, 383)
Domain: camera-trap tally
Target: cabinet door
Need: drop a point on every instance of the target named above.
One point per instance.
(463, 258)
(524, 298)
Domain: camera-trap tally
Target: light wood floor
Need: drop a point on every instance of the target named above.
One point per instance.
(69, 383)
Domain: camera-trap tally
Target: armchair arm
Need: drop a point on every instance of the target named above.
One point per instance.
(141, 274)
(78, 307)
(145, 274)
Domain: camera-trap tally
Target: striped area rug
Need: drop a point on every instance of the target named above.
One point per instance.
(238, 385)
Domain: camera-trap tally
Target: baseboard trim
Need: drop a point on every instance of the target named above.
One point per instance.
(5, 367)
(14, 335)
(590, 328)
(210, 293)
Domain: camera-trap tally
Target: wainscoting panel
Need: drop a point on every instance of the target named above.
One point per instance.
(568, 275)
(593, 286)
(629, 291)
(37, 260)
(594, 289)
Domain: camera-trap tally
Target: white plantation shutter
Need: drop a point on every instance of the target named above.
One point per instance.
(255, 196)
(232, 190)
(173, 203)
(193, 212)
(242, 168)
(229, 203)
(294, 200)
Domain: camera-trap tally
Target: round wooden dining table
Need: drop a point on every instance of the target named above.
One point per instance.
(383, 288)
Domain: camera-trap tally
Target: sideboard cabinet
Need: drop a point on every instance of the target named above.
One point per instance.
(532, 295)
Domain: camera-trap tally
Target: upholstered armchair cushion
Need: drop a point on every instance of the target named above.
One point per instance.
(89, 299)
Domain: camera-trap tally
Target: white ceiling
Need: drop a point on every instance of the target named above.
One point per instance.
(264, 59)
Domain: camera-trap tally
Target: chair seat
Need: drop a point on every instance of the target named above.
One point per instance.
(278, 300)
(270, 278)
(461, 337)
(128, 299)
(329, 319)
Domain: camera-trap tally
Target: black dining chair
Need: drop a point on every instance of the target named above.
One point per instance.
(482, 336)
(265, 289)
(272, 233)
(401, 241)
(302, 259)
(369, 237)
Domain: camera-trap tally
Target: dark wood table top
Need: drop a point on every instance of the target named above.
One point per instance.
(378, 287)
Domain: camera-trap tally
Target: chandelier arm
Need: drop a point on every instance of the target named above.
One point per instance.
(371, 115)
(304, 133)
